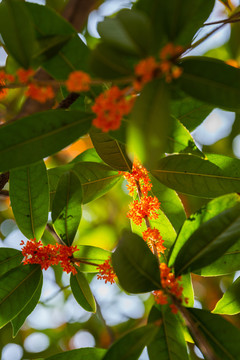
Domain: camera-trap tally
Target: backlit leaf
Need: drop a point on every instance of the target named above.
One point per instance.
(91, 257)
(29, 196)
(229, 304)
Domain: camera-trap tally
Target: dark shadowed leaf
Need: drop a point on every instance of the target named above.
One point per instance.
(229, 304)
(32, 138)
(18, 321)
(135, 265)
(130, 346)
(17, 287)
(9, 259)
(212, 81)
(110, 151)
(29, 194)
(82, 292)
(17, 31)
(67, 207)
(221, 334)
(193, 175)
(169, 341)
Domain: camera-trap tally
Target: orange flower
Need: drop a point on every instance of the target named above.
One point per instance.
(40, 93)
(110, 107)
(106, 272)
(174, 309)
(232, 62)
(147, 207)
(170, 51)
(35, 253)
(78, 81)
(144, 71)
(160, 297)
(169, 281)
(153, 237)
(24, 75)
(140, 174)
(3, 78)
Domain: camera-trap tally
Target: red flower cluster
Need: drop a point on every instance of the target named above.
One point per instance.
(148, 69)
(106, 272)
(146, 207)
(25, 75)
(153, 237)
(35, 253)
(4, 79)
(138, 174)
(40, 93)
(110, 107)
(78, 81)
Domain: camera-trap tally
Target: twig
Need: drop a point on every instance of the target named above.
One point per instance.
(68, 101)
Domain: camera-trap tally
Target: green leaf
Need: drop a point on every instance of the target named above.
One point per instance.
(150, 124)
(129, 31)
(34, 137)
(229, 304)
(193, 175)
(188, 292)
(68, 57)
(221, 334)
(170, 203)
(91, 254)
(205, 213)
(18, 321)
(17, 287)
(176, 21)
(96, 178)
(17, 31)
(212, 81)
(29, 195)
(89, 155)
(209, 241)
(135, 265)
(80, 354)
(130, 346)
(110, 151)
(169, 341)
(82, 292)
(190, 112)
(9, 259)
(67, 207)
(181, 141)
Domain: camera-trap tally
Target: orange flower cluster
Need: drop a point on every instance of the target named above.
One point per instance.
(138, 174)
(147, 207)
(153, 237)
(106, 272)
(110, 107)
(78, 81)
(147, 69)
(40, 93)
(4, 79)
(35, 253)
(25, 75)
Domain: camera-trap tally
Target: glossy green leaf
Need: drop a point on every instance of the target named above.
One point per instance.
(9, 259)
(80, 354)
(129, 31)
(131, 345)
(150, 124)
(18, 321)
(91, 257)
(67, 207)
(212, 81)
(221, 334)
(17, 31)
(229, 304)
(176, 21)
(205, 213)
(29, 195)
(70, 56)
(135, 265)
(82, 292)
(188, 292)
(193, 175)
(190, 112)
(96, 178)
(170, 203)
(89, 155)
(16, 289)
(169, 341)
(110, 151)
(32, 138)
(181, 141)
(209, 241)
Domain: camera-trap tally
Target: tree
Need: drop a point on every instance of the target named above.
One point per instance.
(138, 95)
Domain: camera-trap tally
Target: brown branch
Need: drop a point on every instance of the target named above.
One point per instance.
(68, 101)
(77, 11)
(4, 193)
(4, 177)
